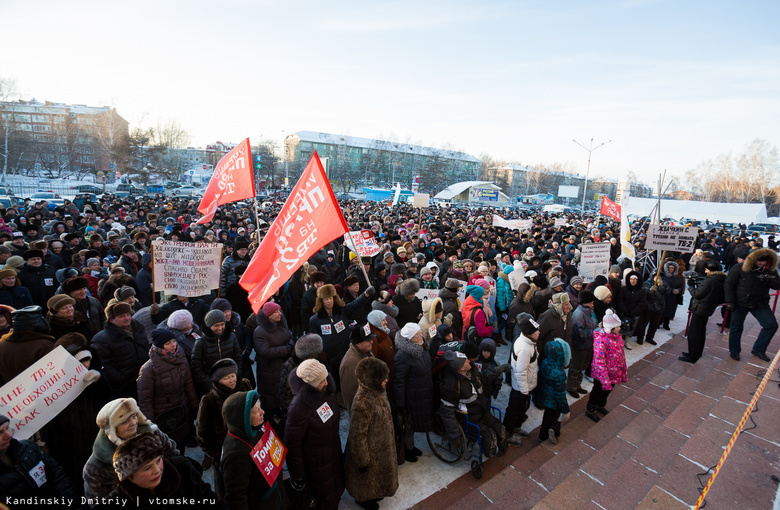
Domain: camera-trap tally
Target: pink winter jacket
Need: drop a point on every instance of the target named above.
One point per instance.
(609, 359)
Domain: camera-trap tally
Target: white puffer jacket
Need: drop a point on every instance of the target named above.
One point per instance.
(524, 365)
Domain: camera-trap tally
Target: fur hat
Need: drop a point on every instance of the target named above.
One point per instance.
(308, 346)
(409, 330)
(7, 273)
(312, 372)
(324, 292)
(221, 368)
(350, 280)
(95, 238)
(117, 412)
(130, 456)
(123, 293)
(117, 309)
(610, 321)
(14, 262)
(528, 326)
(384, 297)
(39, 245)
(407, 287)
(179, 319)
(371, 372)
(216, 316)
(452, 283)
(586, 297)
(397, 269)
(160, 337)
(317, 276)
(29, 254)
(58, 301)
(602, 293)
(558, 300)
(221, 304)
(74, 284)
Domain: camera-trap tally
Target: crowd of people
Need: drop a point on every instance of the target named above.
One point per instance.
(345, 334)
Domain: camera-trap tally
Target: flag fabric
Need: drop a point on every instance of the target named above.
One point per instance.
(625, 230)
(309, 219)
(609, 208)
(232, 181)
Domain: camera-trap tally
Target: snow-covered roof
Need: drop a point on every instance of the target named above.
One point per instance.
(369, 143)
(456, 189)
(49, 107)
(713, 211)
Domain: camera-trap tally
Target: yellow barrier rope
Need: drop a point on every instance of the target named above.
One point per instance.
(741, 424)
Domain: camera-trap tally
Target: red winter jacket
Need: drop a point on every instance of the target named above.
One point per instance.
(483, 330)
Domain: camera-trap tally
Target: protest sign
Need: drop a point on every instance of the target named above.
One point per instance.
(498, 221)
(594, 260)
(363, 241)
(560, 222)
(671, 238)
(421, 200)
(269, 454)
(31, 399)
(424, 294)
(186, 269)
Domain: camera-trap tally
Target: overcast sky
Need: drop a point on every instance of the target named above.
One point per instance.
(671, 83)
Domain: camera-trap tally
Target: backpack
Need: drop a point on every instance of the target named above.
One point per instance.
(471, 333)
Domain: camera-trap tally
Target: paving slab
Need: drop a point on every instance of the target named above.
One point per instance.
(575, 491)
(603, 464)
(627, 487)
(659, 499)
(555, 470)
(660, 448)
(691, 412)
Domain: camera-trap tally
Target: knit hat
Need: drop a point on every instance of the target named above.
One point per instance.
(7, 273)
(424, 271)
(482, 283)
(602, 293)
(586, 297)
(160, 337)
(117, 412)
(452, 283)
(221, 304)
(179, 319)
(576, 280)
(361, 333)
(443, 330)
(123, 293)
(610, 321)
(470, 349)
(308, 346)
(215, 317)
(614, 268)
(58, 301)
(475, 291)
(555, 282)
(74, 284)
(93, 260)
(117, 309)
(14, 262)
(312, 372)
(455, 359)
(270, 308)
(221, 368)
(3, 419)
(528, 326)
(29, 318)
(375, 318)
(130, 456)
(409, 330)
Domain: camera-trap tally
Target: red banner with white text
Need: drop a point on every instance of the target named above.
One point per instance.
(232, 181)
(609, 208)
(310, 219)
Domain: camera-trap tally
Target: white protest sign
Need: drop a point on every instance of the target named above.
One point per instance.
(31, 399)
(424, 294)
(671, 238)
(186, 269)
(594, 260)
(421, 200)
(364, 243)
(498, 221)
(560, 222)
(462, 293)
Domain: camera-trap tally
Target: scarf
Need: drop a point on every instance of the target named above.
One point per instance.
(170, 357)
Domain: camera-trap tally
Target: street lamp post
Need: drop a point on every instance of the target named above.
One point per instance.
(590, 149)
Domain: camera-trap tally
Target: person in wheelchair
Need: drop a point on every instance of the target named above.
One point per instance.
(461, 397)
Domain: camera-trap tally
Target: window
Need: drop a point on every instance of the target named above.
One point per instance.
(8, 116)
(40, 118)
(41, 138)
(21, 118)
(25, 127)
(87, 159)
(62, 148)
(40, 129)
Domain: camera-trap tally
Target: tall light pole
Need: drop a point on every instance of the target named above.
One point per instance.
(590, 150)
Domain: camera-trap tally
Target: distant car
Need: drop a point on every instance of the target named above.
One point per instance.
(173, 185)
(88, 188)
(8, 201)
(52, 198)
(185, 192)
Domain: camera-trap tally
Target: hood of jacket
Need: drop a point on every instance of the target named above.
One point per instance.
(627, 281)
(429, 308)
(673, 263)
(235, 413)
(751, 259)
(558, 352)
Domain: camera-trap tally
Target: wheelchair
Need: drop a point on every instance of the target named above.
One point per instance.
(452, 451)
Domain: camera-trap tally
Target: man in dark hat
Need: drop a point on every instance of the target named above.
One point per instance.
(239, 257)
(28, 341)
(123, 348)
(129, 260)
(37, 277)
(309, 299)
(87, 308)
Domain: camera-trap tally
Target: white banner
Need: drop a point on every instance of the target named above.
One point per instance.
(421, 200)
(594, 261)
(186, 269)
(671, 238)
(498, 221)
(34, 397)
(424, 294)
(560, 222)
(362, 241)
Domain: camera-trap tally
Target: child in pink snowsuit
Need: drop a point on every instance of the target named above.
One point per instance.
(609, 364)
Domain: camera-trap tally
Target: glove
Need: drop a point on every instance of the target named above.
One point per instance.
(154, 309)
(91, 376)
(246, 352)
(564, 417)
(730, 307)
(370, 291)
(504, 369)
(289, 350)
(448, 319)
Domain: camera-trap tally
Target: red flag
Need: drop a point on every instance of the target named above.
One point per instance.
(309, 219)
(232, 181)
(609, 208)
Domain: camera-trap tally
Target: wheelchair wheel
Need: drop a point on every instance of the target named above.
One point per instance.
(447, 449)
(476, 469)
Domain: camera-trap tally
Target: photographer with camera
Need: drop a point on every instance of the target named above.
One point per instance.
(706, 295)
(747, 290)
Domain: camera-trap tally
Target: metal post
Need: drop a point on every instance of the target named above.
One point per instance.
(590, 150)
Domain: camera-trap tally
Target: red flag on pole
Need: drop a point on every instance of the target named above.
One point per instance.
(232, 181)
(609, 208)
(309, 219)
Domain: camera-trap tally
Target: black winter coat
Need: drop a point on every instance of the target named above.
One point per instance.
(655, 296)
(16, 481)
(40, 281)
(413, 382)
(208, 350)
(211, 427)
(551, 326)
(336, 343)
(710, 294)
(408, 311)
(314, 447)
(16, 297)
(748, 286)
(449, 302)
(123, 356)
(631, 298)
(273, 345)
(164, 385)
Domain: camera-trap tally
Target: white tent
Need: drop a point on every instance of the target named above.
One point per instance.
(712, 211)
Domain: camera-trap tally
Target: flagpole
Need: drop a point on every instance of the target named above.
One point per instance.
(257, 218)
